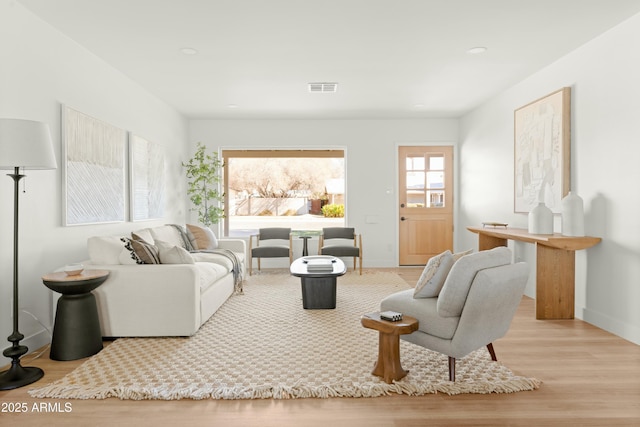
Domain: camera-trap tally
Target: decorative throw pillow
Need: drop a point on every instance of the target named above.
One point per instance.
(170, 254)
(104, 250)
(433, 276)
(144, 235)
(201, 238)
(127, 258)
(141, 251)
(459, 255)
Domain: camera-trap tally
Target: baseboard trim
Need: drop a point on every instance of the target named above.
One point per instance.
(623, 330)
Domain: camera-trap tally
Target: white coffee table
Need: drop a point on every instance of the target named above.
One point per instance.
(318, 287)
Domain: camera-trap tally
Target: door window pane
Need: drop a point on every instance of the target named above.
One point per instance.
(415, 163)
(415, 181)
(436, 163)
(435, 180)
(436, 199)
(416, 199)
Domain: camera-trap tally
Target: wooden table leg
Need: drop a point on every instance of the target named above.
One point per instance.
(388, 365)
(555, 283)
(489, 242)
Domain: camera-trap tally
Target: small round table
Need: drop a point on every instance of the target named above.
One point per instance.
(388, 365)
(76, 332)
(305, 246)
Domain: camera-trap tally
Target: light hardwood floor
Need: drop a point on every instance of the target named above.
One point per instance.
(590, 378)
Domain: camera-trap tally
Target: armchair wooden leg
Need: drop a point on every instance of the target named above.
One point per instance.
(258, 264)
(492, 352)
(452, 369)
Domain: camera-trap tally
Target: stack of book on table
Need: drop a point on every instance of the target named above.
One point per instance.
(319, 265)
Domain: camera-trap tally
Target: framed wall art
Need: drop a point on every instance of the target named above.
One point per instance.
(146, 164)
(542, 138)
(94, 176)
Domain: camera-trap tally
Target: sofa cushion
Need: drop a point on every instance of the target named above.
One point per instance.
(209, 274)
(104, 250)
(218, 259)
(423, 309)
(433, 275)
(201, 238)
(454, 292)
(170, 254)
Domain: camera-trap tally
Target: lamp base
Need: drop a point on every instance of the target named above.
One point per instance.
(19, 376)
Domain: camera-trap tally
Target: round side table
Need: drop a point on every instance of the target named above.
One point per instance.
(76, 332)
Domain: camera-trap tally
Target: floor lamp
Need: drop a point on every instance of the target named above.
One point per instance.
(23, 144)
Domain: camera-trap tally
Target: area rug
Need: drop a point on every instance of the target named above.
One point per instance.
(263, 344)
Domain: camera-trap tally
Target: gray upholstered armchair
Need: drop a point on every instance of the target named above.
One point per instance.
(279, 247)
(478, 299)
(344, 243)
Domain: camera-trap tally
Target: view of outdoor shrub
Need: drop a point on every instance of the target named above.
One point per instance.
(333, 211)
(266, 212)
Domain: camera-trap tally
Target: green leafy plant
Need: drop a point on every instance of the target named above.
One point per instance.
(203, 178)
(333, 211)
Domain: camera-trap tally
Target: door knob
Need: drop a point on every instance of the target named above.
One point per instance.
(402, 205)
(403, 218)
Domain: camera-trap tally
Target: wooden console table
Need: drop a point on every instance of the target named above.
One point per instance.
(555, 266)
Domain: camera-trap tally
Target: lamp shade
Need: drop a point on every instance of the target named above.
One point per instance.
(26, 144)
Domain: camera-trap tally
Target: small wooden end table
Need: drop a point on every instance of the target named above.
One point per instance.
(76, 331)
(388, 365)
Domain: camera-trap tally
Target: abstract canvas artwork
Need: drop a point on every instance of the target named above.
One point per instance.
(542, 138)
(95, 169)
(146, 162)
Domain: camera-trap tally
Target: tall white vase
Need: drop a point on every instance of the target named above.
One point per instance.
(541, 220)
(572, 215)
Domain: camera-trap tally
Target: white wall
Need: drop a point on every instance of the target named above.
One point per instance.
(371, 152)
(40, 69)
(605, 145)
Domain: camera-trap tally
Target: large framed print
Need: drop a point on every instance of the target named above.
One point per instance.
(94, 176)
(147, 174)
(542, 138)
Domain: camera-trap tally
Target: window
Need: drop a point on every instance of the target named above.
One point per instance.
(283, 188)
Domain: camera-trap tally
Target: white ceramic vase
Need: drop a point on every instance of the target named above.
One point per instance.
(541, 220)
(572, 215)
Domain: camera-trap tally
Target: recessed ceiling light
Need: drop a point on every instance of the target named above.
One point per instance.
(232, 106)
(188, 51)
(477, 50)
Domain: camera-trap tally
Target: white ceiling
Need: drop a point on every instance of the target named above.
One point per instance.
(388, 56)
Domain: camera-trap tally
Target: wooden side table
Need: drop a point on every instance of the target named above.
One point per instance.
(388, 365)
(76, 331)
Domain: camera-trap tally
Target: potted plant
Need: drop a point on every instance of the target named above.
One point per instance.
(318, 200)
(203, 179)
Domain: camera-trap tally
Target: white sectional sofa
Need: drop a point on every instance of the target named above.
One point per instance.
(172, 298)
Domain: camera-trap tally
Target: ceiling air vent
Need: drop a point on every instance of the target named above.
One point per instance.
(323, 87)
